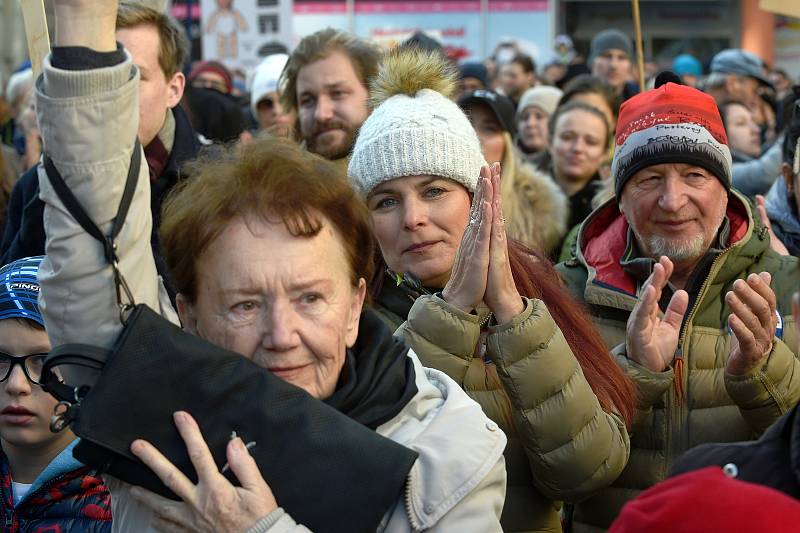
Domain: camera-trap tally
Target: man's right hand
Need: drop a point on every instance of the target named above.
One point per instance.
(651, 341)
(89, 23)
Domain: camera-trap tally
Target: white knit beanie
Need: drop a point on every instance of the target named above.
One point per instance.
(542, 96)
(265, 79)
(415, 128)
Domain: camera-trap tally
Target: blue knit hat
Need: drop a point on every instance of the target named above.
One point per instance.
(687, 64)
(19, 290)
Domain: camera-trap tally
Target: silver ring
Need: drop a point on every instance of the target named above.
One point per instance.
(472, 221)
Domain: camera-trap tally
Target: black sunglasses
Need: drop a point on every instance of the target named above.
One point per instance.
(31, 365)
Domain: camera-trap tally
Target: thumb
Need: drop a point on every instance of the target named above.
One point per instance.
(676, 309)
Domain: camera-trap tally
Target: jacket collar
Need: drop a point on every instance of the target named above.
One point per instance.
(603, 240)
(185, 144)
(63, 463)
(432, 425)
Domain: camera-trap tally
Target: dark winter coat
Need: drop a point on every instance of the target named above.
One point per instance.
(773, 460)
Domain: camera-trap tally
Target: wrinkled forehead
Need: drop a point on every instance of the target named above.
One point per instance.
(263, 252)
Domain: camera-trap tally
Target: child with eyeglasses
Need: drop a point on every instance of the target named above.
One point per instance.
(42, 487)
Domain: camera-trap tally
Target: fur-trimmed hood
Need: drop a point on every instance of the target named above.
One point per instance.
(535, 208)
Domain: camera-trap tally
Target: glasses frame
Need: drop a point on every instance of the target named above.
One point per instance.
(21, 360)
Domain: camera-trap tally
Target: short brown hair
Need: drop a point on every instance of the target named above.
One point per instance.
(270, 178)
(173, 46)
(364, 55)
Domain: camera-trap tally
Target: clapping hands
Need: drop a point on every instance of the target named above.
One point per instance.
(482, 271)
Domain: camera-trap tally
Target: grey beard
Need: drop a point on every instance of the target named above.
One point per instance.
(676, 250)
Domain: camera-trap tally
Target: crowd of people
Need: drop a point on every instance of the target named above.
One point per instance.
(550, 290)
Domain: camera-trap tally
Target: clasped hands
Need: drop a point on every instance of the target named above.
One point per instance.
(481, 270)
(652, 340)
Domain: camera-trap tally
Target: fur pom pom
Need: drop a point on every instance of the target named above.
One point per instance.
(408, 70)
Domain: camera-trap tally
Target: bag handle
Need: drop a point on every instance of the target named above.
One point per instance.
(77, 211)
(75, 355)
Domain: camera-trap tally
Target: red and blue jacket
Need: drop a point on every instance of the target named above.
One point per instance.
(67, 497)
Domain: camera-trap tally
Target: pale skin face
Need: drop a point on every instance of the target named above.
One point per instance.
(490, 132)
(25, 409)
(614, 67)
(157, 94)
(578, 148)
(514, 80)
(294, 315)
(332, 105)
(743, 88)
(271, 116)
(534, 132)
(744, 135)
(674, 210)
(418, 222)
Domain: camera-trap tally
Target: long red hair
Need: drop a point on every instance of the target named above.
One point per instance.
(535, 277)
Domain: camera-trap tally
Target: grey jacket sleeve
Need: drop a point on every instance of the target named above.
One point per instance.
(278, 521)
(757, 176)
(89, 120)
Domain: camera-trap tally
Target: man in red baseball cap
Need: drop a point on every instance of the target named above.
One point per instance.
(680, 279)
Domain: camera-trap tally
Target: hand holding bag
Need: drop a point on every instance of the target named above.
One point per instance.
(327, 470)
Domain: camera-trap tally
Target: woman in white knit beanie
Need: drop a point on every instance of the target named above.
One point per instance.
(480, 307)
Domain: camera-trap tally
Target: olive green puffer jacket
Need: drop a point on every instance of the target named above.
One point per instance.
(561, 444)
(715, 407)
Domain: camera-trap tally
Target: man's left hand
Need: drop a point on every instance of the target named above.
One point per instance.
(213, 504)
(752, 320)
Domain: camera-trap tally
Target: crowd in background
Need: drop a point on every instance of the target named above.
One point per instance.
(572, 147)
(552, 287)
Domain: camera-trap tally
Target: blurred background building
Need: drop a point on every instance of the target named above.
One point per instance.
(473, 28)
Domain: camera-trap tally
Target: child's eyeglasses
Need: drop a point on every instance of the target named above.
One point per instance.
(31, 364)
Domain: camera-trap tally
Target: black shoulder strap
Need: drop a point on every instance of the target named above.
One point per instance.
(79, 214)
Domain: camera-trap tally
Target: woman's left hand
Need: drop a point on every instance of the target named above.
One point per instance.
(213, 504)
(501, 295)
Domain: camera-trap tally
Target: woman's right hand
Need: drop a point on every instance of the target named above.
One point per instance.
(468, 277)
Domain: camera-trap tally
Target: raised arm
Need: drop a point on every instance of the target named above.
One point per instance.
(88, 114)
